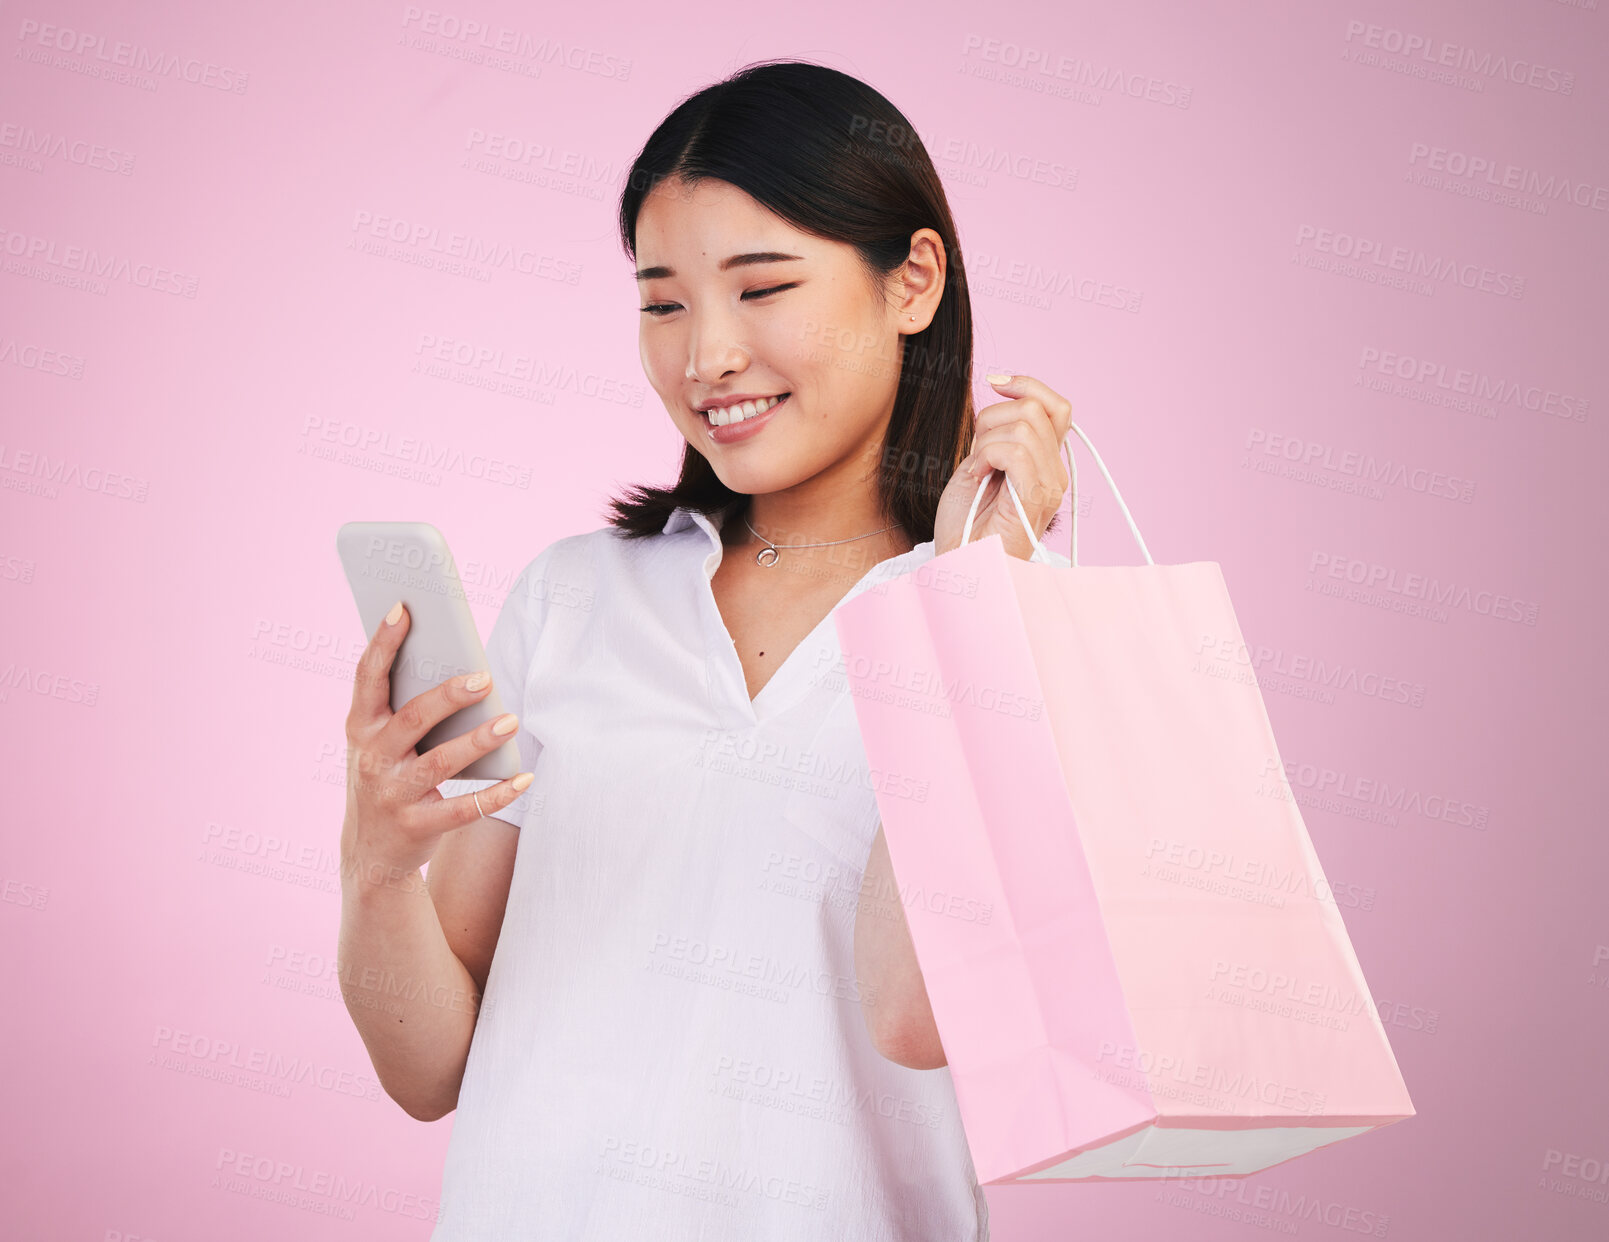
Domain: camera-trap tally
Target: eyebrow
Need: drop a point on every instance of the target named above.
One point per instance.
(737, 260)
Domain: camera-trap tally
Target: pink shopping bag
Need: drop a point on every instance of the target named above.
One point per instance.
(1135, 962)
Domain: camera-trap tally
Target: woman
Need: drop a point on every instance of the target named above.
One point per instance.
(704, 1017)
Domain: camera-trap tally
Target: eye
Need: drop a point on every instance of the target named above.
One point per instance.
(660, 309)
(760, 293)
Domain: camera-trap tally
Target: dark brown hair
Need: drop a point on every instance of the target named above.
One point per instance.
(834, 158)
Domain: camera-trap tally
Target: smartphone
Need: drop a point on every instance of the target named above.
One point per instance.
(388, 561)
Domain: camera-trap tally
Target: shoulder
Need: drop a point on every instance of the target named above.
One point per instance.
(573, 570)
(598, 553)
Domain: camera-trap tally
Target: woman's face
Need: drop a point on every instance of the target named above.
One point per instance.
(728, 314)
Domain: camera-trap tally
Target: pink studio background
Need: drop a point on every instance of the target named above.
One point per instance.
(1155, 216)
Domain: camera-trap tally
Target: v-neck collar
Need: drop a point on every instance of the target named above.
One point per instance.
(788, 683)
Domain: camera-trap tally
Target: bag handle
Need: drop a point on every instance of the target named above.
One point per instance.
(1072, 475)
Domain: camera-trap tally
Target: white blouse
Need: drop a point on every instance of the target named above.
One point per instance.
(671, 1045)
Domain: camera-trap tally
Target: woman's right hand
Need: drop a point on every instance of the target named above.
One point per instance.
(395, 817)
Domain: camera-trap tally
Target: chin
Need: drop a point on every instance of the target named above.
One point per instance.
(759, 480)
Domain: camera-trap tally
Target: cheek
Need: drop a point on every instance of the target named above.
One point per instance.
(808, 345)
(659, 364)
(845, 340)
(782, 345)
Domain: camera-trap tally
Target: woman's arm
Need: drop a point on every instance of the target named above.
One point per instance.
(415, 958)
(399, 977)
(893, 995)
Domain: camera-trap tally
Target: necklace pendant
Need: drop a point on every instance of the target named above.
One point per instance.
(767, 556)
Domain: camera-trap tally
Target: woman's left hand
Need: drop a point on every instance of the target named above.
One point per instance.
(1022, 436)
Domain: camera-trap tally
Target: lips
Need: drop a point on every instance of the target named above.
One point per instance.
(732, 413)
(734, 398)
(744, 428)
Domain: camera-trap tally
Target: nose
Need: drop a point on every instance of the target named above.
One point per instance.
(713, 349)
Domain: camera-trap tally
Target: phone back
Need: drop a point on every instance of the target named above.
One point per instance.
(410, 561)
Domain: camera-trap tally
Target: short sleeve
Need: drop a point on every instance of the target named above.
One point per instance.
(1044, 556)
(510, 650)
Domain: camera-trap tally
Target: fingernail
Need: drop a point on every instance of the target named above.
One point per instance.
(506, 724)
(522, 780)
(477, 681)
(999, 379)
(395, 615)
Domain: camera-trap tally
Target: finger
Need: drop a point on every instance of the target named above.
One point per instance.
(1024, 419)
(1057, 408)
(445, 814)
(1027, 410)
(448, 760)
(422, 713)
(371, 683)
(1054, 425)
(1017, 461)
(996, 513)
(1046, 481)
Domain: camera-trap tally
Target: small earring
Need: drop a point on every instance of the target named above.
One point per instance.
(913, 318)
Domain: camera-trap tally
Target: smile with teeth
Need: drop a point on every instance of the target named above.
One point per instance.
(727, 414)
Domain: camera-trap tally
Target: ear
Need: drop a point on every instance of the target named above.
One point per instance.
(921, 281)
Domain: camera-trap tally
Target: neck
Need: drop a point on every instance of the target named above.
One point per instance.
(791, 517)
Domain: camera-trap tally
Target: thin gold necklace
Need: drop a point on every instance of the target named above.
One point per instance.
(770, 549)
